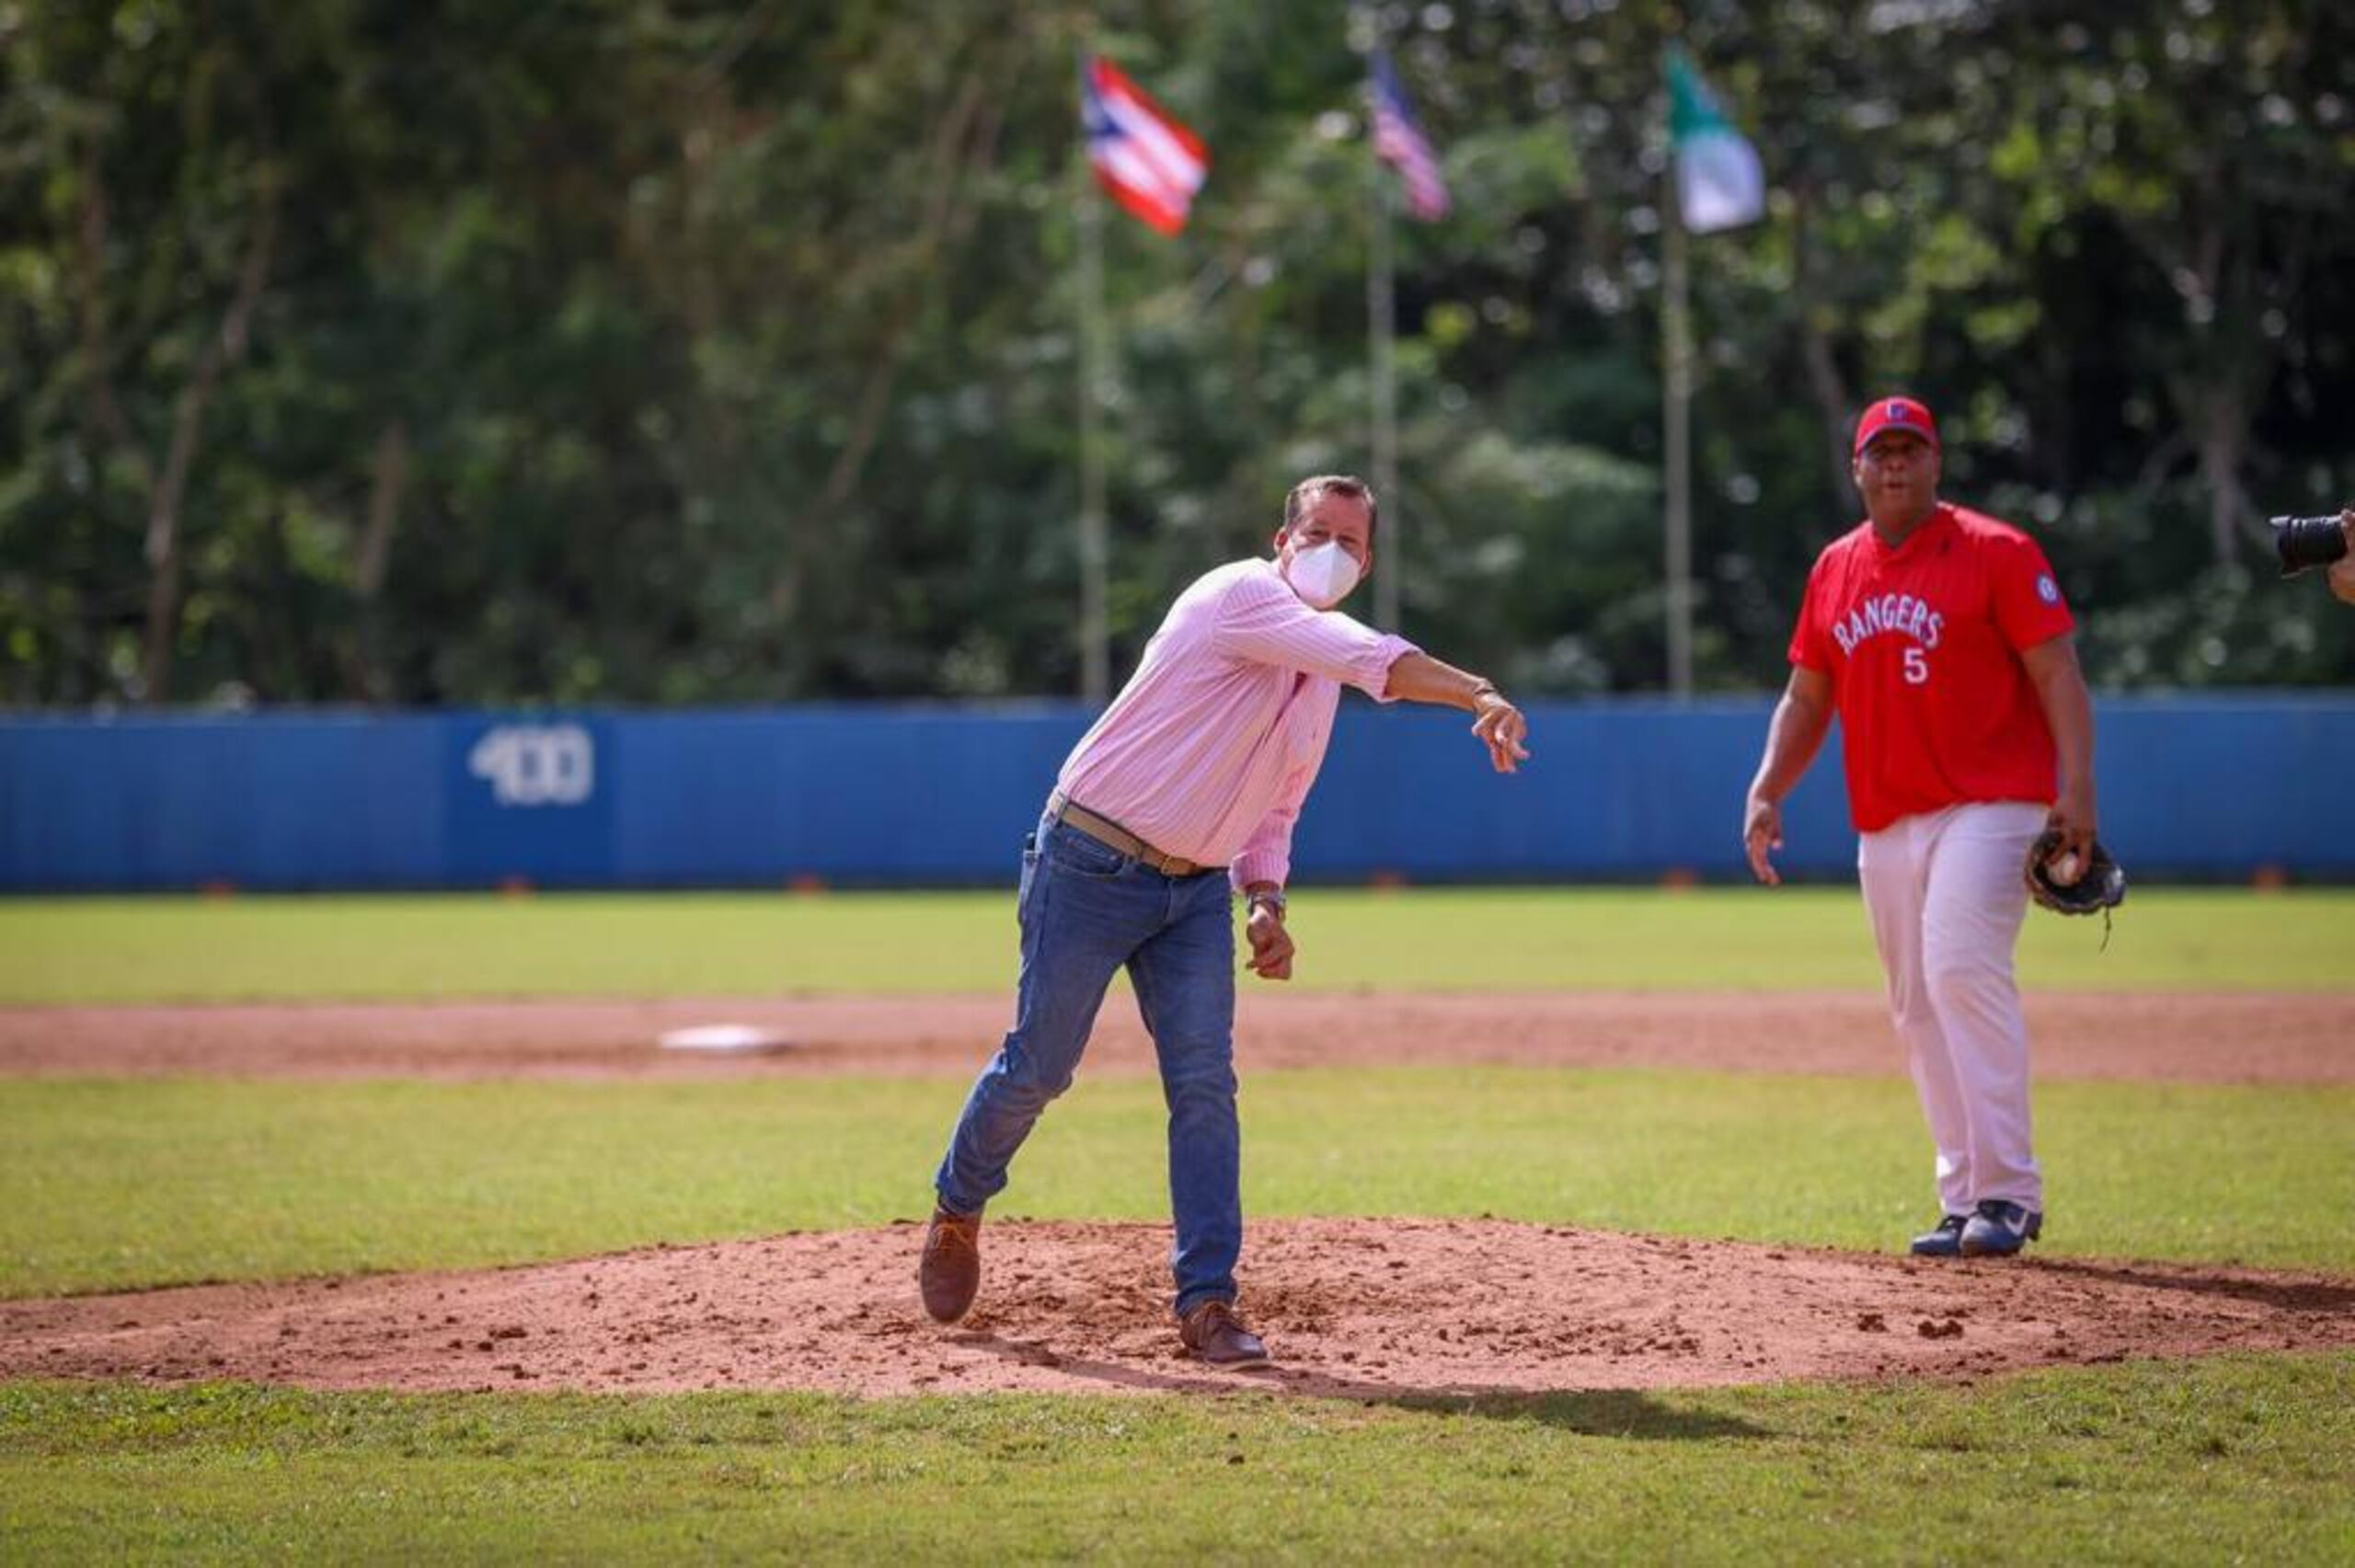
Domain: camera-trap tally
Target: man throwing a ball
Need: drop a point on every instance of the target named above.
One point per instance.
(1186, 787)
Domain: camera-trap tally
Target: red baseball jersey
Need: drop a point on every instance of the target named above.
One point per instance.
(1923, 645)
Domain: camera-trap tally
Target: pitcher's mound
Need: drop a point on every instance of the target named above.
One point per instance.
(1355, 1308)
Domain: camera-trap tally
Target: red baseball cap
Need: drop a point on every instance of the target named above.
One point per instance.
(1895, 413)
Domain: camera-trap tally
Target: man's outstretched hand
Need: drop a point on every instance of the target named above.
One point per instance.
(1417, 677)
(1503, 729)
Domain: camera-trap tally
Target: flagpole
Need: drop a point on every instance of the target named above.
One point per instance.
(1676, 354)
(1095, 631)
(1381, 333)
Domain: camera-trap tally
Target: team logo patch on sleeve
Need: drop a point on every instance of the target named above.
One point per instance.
(2047, 590)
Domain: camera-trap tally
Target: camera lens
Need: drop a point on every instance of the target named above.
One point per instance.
(2305, 542)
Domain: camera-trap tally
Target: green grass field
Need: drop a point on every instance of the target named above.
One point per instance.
(127, 950)
(2230, 1460)
(112, 1184)
(280, 1178)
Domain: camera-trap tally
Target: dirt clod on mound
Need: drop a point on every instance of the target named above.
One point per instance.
(1366, 1309)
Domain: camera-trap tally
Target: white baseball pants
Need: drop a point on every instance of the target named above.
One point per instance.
(1945, 893)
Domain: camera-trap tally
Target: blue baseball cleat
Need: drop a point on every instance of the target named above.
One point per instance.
(1945, 1242)
(1999, 1229)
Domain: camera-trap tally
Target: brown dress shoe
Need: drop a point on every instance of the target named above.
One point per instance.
(1215, 1334)
(951, 1271)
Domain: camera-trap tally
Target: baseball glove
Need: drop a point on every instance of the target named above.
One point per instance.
(2098, 889)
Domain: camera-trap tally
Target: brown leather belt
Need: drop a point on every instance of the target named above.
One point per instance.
(1111, 835)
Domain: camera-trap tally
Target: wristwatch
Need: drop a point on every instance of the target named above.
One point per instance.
(1265, 895)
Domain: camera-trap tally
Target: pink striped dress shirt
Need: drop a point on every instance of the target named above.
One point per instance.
(1210, 748)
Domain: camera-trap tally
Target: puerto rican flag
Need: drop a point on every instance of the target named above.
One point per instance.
(1399, 142)
(1147, 161)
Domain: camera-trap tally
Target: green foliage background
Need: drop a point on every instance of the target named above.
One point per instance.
(666, 351)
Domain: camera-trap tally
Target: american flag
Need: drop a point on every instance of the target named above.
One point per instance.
(1400, 142)
(1147, 161)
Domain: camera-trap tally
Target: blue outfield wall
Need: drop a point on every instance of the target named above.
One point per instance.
(2201, 787)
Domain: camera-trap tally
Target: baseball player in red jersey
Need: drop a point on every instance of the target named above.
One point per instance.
(1940, 638)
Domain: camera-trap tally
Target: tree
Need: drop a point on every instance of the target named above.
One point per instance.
(674, 351)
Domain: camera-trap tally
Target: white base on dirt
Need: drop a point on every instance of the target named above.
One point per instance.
(725, 1039)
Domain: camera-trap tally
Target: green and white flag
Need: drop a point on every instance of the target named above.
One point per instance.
(1718, 182)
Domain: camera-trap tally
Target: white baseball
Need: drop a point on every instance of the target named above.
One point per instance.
(2065, 870)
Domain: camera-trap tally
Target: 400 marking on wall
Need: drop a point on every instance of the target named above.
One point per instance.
(536, 764)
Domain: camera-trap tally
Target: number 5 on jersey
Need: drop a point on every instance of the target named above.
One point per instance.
(1917, 665)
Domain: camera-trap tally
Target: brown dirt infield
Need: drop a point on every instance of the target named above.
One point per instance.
(1396, 1310)
(2214, 1038)
(1379, 1309)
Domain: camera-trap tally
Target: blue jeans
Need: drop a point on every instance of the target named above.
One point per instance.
(1087, 909)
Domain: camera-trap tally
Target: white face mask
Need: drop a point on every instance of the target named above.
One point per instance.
(1322, 575)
